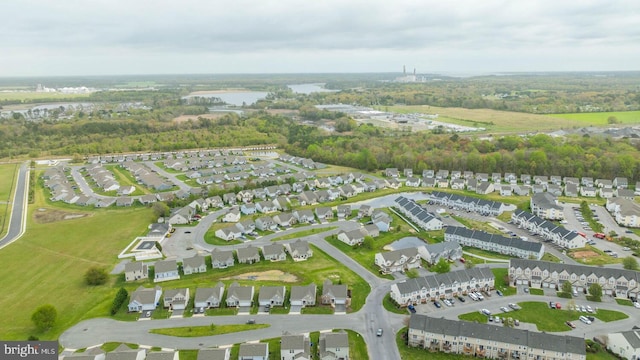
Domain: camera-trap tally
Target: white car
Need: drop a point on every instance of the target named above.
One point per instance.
(585, 320)
(486, 312)
(583, 309)
(473, 296)
(589, 309)
(480, 297)
(636, 305)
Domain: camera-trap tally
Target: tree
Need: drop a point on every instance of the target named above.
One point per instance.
(612, 120)
(470, 264)
(630, 263)
(44, 317)
(96, 276)
(566, 287)
(161, 209)
(367, 243)
(120, 298)
(595, 290)
(441, 267)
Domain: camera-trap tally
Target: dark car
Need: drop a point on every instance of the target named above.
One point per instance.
(412, 309)
(591, 318)
(499, 292)
(437, 304)
(461, 299)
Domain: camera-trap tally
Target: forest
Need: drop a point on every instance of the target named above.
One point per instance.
(105, 129)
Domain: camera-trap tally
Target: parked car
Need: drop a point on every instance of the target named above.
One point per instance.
(437, 304)
(473, 296)
(412, 309)
(514, 306)
(461, 299)
(636, 305)
(486, 312)
(552, 304)
(516, 322)
(526, 290)
(446, 302)
(589, 309)
(570, 324)
(583, 309)
(504, 309)
(499, 292)
(585, 320)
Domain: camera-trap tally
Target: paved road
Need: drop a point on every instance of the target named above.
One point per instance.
(172, 177)
(18, 218)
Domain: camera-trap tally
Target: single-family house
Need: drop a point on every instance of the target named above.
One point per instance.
(254, 351)
(194, 265)
(182, 215)
(266, 207)
(299, 250)
(364, 211)
(333, 346)
(232, 216)
(343, 211)
(324, 213)
(90, 354)
(176, 299)
(274, 252)
(625, 344)
(123, 352)
(165, 270)
(222, 259)
(209, 297)
(144, 299)
(248, 208)
(398, 260)
(272, 295)
(333, 294)
(136, 270)
(284, 219)
(303, 295)
(295, 347)
(229, 233)
(248, 255)
(214, 354)
(266, 223)
(241, 296)
(303, 216)
(353, 237)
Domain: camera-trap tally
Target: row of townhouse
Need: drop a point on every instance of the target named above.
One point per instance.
(625, 211)
(511, 246)
(542, 274)
(545, 205)
(145, 176)
(165, 270)
(206, 162)
(402, 260)
(467, 203)
(447, 285)
(418, 214)
(146, 299)
(549, 231)
(491, 341)
(512, 178)
(156, 156)
(304, 162)
(103, 178)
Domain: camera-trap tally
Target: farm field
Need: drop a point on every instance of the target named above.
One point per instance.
(47, 265)
(32, 95)
(492, 120)
(8, 174)
(600, 118)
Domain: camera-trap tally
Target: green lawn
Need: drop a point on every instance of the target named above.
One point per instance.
(502, 281)
(357, 346)
(485, 253)
(125, 178)
(304, 233)
(47, 265)
(196, 331)
(474, 317)
(533, 291)
(391, 306)
(32, 95)
(550, 257)
(601, 259)
(600, 118)
(8, 174)
(625, 302)
(545, 318)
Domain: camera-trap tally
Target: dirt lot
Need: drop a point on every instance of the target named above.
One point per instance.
(270, 275)
(43, 216)
(584, 254)
(185, 118)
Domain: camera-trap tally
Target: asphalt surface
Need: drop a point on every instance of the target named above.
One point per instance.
(17, 221)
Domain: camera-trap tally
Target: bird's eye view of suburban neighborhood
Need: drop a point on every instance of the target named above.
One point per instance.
(327, 182)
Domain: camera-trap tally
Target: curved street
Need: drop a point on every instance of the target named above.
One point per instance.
(18, 217)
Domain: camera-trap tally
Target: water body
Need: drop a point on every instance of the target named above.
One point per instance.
(308, 88)
(237, 98)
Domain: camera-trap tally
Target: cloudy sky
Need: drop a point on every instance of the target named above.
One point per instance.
(96, 37)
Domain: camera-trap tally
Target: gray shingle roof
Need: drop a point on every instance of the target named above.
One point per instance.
(551, 342)
(577, 269)
(434, 281)
(253, 350)
(212, 354)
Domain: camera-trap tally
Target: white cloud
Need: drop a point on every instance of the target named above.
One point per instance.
(41, 37)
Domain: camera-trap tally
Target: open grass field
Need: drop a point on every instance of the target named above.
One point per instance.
(47, 266)
(600, 118)
(492, 120)
(304, 233)
(32, 95)
(8, 173)
(502, 281)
